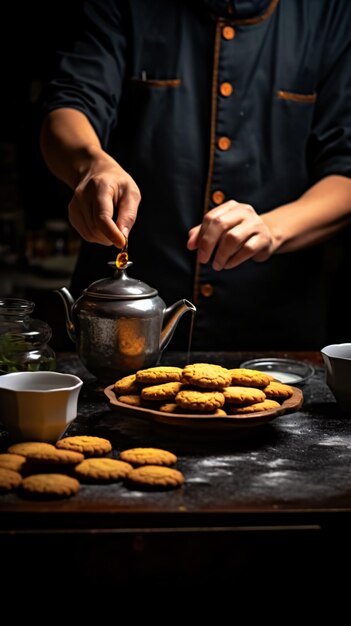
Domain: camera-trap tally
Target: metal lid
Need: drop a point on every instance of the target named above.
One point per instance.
(120, 286)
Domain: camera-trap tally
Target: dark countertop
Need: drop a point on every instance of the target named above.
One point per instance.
(300, 461)
(293, 473)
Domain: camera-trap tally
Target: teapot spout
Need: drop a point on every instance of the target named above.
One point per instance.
(68, 302)
(171, 318)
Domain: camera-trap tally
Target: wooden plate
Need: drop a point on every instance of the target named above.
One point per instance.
(207, 422)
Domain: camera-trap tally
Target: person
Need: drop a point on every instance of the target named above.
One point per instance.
(215, 137)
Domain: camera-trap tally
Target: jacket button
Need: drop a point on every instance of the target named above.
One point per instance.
(226, 89)
(218, 197)
(224, 143)
(206, 290)
(228, 33)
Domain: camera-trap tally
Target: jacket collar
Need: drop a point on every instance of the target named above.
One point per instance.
(238, 9)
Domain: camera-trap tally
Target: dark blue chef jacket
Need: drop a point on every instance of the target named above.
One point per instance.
(204, 101)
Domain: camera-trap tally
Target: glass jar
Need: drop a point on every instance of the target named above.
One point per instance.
(23, 340)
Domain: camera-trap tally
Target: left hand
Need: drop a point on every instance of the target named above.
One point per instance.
(231, 234)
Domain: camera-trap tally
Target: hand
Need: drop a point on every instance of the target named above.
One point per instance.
(231, 234)
(104, 187)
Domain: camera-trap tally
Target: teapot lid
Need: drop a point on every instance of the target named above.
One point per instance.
(120, 286)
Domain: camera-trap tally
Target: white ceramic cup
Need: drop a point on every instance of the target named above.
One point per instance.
(337, 360)
(38, 406)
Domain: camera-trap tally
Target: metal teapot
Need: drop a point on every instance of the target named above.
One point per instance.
(120, 324)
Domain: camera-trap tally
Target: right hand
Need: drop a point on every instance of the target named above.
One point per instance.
(104, 187)
(230, 234)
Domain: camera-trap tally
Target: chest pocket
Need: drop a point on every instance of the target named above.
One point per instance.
(302, 98)
(147, 83)
(154, 108)
(293, 113)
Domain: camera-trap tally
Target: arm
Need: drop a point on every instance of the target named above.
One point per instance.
(73, 153)
(319, 213)
(234, 232)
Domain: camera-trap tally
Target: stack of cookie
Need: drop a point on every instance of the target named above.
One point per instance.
(202, 388)
(38, 469)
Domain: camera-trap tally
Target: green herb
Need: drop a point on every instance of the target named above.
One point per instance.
(17, 355)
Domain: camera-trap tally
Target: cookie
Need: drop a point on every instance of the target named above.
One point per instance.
(248, 377)
(29, 447)
(165, 391)
(200, 401)
(158, 375)
(56, 457)
(170, 407)
(266, 405)
(102, 470)
(154, 477)
(86, 444)
(148, 456)
(278, 390)
(220, 413)
(9, 480)
(131, 399)
(206, 375)
(243, 395)
(126, 385)
(50, 486)
(13, 462)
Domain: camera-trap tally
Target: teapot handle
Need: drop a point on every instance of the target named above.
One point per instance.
(68, 302)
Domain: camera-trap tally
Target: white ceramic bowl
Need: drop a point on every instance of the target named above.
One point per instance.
(38, 406)
(337, 360)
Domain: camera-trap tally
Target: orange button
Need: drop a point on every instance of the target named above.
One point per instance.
(218, 197)
(224, 143)
(206, 290)
(228, 33)
(226, 89)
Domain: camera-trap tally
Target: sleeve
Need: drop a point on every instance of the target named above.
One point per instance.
(329, 149)
(89, 75)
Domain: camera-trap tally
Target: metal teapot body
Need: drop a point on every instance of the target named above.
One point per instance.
(120, 325)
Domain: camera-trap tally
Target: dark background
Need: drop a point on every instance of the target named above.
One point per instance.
(29, 37)
(30, 34)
